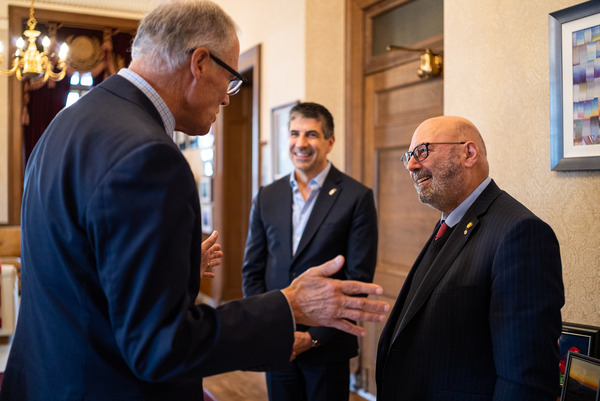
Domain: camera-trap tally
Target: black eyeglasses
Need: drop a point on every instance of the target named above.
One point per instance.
(235, 83)
(421, 151)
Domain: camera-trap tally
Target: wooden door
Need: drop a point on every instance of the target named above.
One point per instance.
(387, 102)
(235, 179)
(396, 102)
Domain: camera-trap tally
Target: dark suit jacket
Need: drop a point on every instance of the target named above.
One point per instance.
(111, 255)
(343, 222)
(486, 321)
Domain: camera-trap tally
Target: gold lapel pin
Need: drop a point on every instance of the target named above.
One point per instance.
(333, 190)
(468, 226)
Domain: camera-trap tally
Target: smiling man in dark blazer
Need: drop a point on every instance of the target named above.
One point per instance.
(111, 237)
(307, 217)
(478, 318)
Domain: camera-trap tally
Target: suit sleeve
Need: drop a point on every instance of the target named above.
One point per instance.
(525, 321)
(256, 253)
(361, 257)
(143, 223)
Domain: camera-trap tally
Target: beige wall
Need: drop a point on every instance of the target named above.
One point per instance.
(496, 74)
(302, 45)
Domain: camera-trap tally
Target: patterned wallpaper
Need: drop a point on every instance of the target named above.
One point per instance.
(497, 75)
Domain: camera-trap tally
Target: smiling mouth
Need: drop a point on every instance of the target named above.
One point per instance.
(420, 180)
(302, 154)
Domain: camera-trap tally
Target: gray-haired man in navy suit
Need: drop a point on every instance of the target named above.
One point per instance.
(478, 318)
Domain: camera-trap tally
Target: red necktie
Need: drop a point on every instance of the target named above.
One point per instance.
(441, 230)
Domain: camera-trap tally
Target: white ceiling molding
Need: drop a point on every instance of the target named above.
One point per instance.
(134, 9)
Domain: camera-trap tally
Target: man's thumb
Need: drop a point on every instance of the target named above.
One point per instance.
(331, 267)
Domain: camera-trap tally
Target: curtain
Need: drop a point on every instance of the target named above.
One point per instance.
(102, 53)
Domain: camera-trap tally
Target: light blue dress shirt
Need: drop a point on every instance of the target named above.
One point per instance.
(301, 209)
(457, 214)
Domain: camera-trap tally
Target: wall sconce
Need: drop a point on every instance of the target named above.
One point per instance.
(431, 63)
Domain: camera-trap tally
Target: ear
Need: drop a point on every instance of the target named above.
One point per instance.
(471, 152)
(331, 141)
(199, 61)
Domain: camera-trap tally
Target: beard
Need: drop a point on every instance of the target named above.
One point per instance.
(443, 188)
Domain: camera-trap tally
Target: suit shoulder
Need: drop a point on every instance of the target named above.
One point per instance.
(509, 212)
(276, 186)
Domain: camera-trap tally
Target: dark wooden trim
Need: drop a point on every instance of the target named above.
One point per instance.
(250, 63)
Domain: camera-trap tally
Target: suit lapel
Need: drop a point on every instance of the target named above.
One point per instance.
(459, 236)
(327, 196)
(284, 209)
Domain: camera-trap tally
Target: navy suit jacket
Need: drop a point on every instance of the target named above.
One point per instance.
(111, 235)
(484, 325)
(343, 222)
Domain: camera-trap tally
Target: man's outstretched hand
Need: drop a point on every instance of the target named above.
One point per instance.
(318, 300)
(211, 256)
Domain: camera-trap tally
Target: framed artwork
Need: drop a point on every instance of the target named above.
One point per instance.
(582, 378)
(574, 46)
(205, 189)
(280, 121)
(207, 218)
(579, 338)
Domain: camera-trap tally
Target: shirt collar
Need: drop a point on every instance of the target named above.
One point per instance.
(318, 180)
(140, 83)
(457, 214)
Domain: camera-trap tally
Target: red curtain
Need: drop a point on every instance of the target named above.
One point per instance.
(41, 103)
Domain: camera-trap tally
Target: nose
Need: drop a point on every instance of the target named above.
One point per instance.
(225, 101)
(301, 140)
(413, 164)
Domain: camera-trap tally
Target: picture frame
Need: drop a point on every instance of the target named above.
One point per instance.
(584, 339)
(280, 121)
(207, 218)
(205, 189)
(582, 378)
(574, 120)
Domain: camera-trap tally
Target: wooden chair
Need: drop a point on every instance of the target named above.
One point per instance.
(10, 277)
(10, 248)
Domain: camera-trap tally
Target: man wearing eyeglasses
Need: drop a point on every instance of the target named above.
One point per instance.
(478, 317)
(111, 237)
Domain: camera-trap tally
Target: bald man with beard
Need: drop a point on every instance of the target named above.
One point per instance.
(478, 317)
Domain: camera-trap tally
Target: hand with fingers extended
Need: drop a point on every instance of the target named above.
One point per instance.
(318, 300)
(211, 255)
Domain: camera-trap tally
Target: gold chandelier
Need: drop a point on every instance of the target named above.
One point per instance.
(32, 64)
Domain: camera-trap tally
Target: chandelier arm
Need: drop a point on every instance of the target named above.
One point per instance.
(56, 76)
(12, 70)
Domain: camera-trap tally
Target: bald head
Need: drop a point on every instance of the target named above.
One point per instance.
(456, 162)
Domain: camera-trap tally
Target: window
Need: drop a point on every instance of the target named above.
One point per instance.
(80, 85)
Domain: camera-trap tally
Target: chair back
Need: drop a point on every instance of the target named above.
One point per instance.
(10, 241)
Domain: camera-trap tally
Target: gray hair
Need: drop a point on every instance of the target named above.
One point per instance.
(169, 32)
